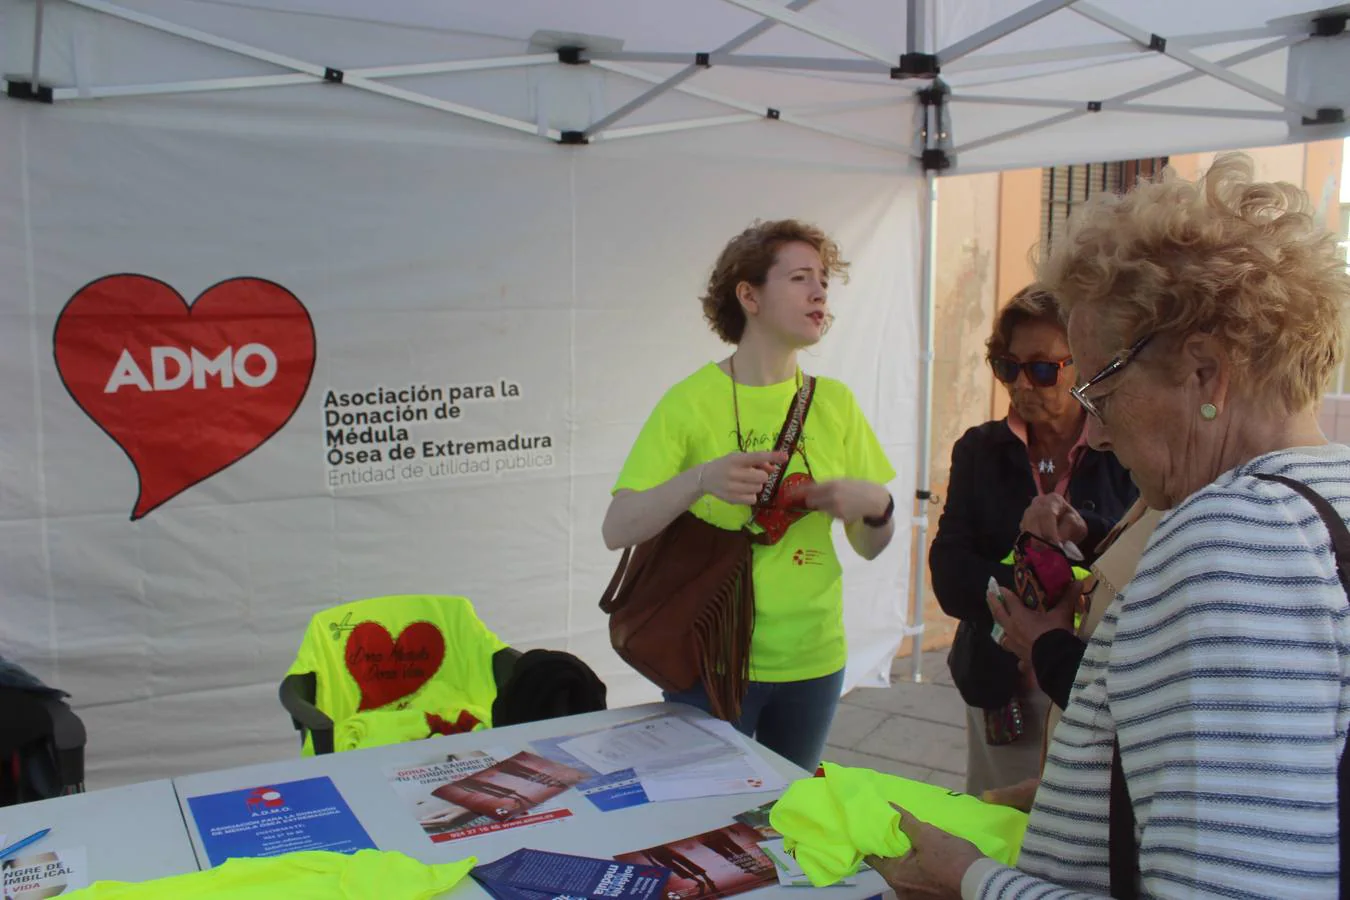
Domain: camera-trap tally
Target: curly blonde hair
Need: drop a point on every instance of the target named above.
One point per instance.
(748, 257)
(1228, 255)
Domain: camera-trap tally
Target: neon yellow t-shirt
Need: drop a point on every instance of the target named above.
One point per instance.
(830, 824)
(307, 875)
(799, 595)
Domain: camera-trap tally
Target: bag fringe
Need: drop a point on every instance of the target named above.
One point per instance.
(722, 633)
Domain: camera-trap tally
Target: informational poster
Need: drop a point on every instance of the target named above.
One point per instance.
(274, 819)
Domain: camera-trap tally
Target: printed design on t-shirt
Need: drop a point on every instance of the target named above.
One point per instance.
(755, 441)
(804, 557)
(387, 670)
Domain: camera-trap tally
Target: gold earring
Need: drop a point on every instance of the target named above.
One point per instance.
(1209, 412)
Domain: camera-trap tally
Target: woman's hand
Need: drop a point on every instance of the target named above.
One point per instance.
(1051, 518)
(933, 867)
(738, 477)
(846, 498)
(1022, 626)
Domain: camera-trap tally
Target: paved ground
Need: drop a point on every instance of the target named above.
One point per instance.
(914, 730)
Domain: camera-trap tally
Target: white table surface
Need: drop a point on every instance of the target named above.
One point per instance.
(130, 833)
(360, 777)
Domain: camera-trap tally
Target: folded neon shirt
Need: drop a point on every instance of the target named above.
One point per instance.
(308, 875)
(830, 823)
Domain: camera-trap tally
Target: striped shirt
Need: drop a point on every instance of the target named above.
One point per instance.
(1224, 670)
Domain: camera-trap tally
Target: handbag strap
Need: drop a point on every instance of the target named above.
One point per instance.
(789, 436)
(607, 605)
(1123, 853)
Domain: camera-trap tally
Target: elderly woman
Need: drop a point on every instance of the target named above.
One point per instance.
(1208, 317)
(998, 469)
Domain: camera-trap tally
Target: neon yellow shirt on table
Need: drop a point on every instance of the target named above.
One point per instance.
(799, 595)
(310, 875)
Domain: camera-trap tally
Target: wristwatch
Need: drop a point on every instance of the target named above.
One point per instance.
(882, 520)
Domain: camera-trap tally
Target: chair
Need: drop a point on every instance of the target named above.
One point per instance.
(41, 746)
(391, 652)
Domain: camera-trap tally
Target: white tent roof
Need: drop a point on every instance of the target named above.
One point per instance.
(1037, 83)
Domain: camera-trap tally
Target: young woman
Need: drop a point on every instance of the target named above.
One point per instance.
(708, 447)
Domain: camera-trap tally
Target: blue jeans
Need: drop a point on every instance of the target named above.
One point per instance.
(791, 718)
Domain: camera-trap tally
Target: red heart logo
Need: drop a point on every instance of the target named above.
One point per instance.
(185, 391)
(787, 508)
(387, 670)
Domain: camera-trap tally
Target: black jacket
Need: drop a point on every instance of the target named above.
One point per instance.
(990, 487)
(547, 684)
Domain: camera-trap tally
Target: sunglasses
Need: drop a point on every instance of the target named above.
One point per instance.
(1112, 368)
(1041, 373)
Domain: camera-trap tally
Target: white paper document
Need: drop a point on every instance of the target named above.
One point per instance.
(743, 772)
(647, 746)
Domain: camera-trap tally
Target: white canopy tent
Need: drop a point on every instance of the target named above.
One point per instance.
(859, 104)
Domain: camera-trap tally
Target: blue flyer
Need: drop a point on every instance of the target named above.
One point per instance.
(276, 819)
(561, 874)
(617, 790)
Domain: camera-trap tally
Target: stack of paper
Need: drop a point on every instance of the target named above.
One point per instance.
(666, 757)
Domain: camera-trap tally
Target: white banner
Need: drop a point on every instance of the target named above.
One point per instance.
(260, 360)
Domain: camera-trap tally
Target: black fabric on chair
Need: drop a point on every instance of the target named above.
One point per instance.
(298, 693)
(41, 745)
(547, 684)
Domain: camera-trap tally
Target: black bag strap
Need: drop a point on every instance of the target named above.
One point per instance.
(1123, 853)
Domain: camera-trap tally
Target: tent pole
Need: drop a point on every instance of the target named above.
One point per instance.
(37, 43)
(922, 482)
(916, 25)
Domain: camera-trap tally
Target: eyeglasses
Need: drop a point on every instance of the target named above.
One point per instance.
(1041, 373)
(1112, 368)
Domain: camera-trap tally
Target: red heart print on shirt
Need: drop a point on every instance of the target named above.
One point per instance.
(387, 670)
(184, 390)
(787, 507)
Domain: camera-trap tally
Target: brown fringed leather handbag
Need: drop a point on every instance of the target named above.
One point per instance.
(681, 605)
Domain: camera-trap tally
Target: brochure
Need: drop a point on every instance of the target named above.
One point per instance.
(617, 790)
(279, 818)
(561, 874)
(714, 864)
(758, 819)
(790, 874)
(433, 792)
(38, 874)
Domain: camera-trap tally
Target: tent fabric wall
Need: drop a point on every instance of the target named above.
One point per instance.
(435, 232)
(424, 257)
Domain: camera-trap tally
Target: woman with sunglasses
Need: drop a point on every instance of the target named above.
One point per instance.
(1203, 752)
(998, 469)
